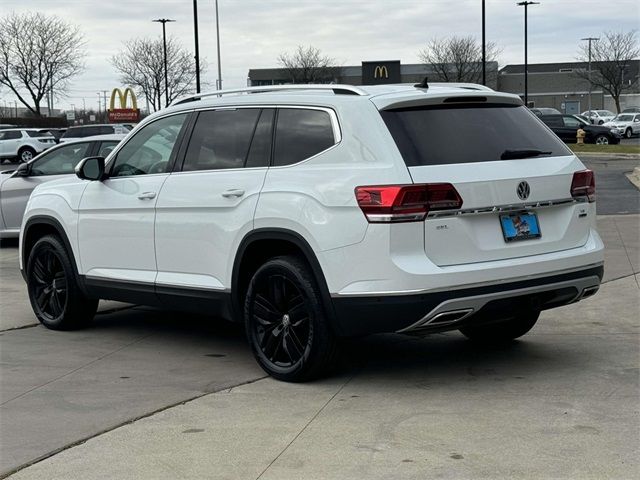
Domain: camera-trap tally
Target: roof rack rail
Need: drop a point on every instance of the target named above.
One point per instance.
(338, 89)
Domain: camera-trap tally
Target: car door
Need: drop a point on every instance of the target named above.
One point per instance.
(116, 215)
(206, 208)
(570, 130)
(635, 126)
(10, 142)
(51, 165)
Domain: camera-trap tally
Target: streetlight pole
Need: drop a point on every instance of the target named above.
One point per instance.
(526, 64)
(197, 50)
(219, 81)
(590, 39)
(164, 21)
(484, 48)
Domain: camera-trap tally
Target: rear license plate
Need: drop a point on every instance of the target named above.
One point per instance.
(520, 226)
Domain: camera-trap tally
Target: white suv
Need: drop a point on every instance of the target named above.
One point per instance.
(316, 212)
(22, 144)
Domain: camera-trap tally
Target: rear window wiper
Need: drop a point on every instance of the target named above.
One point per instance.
(524, 153)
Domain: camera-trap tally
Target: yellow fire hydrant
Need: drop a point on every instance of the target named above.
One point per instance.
(580, 134)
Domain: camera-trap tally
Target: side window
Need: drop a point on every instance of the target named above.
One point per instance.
(106, 148)
(637, 118)
(61, 160)
(300, 134)
(12, 135)
(104, 130)
(221, 139)
(571, 122)
(149, 150)
(552, 121)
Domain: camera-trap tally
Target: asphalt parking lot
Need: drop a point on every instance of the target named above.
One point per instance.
(154, 394)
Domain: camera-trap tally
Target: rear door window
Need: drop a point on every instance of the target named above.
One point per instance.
(301, 134)
(437, 135)
(571, 122)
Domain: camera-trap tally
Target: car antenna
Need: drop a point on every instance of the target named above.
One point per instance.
(424, 84)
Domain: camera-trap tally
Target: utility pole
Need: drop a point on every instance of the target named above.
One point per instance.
(219, 81)
(195, 34)
(526, 63)
(99, 109)
(104, 93)
(164, 21)
(590, 39)
(484, 47)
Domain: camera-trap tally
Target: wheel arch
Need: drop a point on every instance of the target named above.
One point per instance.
(261, 244)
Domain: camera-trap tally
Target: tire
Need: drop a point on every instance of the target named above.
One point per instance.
(503, 331)
(601, 122)
(55, 296)
(25, 154)
(286, 323)
(628, 133)
(601, 140)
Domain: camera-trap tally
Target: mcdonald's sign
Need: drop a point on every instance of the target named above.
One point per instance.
(374, 73)
(123, 114)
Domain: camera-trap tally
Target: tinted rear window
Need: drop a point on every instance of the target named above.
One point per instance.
(467, 134)
(301, 134)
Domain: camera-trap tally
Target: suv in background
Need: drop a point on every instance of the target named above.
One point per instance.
(22, 144)
(93, 130)
(598, 117)
(311, 212)
(566, 127)
(625, 124)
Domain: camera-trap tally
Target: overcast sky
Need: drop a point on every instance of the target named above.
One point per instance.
(254, 32)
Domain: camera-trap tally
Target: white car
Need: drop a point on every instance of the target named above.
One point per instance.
(94, 130)
(625, 124)
(55, 163)
(598, 117)
(311, 212)
(22, 144)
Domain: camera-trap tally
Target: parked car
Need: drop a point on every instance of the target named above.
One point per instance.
(93, 130)
(22, 144)
(311, 212)
(631, 110)
(625, 124)
(545, 111)
(566, 127)
(57, 162)
(598, 117)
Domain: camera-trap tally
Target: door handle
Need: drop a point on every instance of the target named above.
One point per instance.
(235, 192)
(147, 195)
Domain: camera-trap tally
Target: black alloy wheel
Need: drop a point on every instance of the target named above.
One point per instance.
(54, 293)
(285, 321)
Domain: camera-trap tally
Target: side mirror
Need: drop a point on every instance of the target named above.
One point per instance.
(23, 170)
(90, 168)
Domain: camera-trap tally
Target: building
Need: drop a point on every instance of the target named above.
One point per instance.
(557, 85)
(369, 73)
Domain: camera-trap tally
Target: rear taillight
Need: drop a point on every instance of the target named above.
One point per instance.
(405, 203)
(583, 185)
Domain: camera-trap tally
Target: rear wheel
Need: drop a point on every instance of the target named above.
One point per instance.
(54, 294)
(285, 321)
(602, 140)
(503, 331)
(26, 154)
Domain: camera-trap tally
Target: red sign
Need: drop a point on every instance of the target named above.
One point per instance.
(124, 115)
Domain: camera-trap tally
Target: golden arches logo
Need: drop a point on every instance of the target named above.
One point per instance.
(123, 98)
(381, 72)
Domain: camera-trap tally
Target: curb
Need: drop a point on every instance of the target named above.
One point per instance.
(634, 177)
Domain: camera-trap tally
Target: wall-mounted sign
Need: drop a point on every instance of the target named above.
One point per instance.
(376, 73)
(123, 114)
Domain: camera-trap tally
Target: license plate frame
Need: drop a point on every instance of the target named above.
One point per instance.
(520, 226)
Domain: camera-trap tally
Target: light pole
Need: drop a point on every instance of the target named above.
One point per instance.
(164, 21)
(484, 48)
(219, 81)
(590, 39)
(526, 65)
(195, 34)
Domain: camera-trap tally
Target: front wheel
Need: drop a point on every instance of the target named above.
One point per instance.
(628, 132)
(55, 297)
(602, 140)
(503, 331)
(286, 323)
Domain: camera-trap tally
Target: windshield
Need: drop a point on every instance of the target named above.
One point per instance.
(604, 113)
(624, 118)
(435, 135)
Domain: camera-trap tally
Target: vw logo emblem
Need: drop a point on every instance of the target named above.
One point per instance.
(523, 190)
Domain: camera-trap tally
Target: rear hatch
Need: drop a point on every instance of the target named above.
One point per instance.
(513, 174)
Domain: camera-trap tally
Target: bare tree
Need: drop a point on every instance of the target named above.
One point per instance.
(39, 54)
(141, 65)
(610, 59)
(309, 65)
(458, 59)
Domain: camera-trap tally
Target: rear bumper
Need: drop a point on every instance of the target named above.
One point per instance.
(447, 310)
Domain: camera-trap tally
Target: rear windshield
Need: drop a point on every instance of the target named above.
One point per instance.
(467, 134)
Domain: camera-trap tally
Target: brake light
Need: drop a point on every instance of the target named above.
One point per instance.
(584, 185)
(405, 203)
